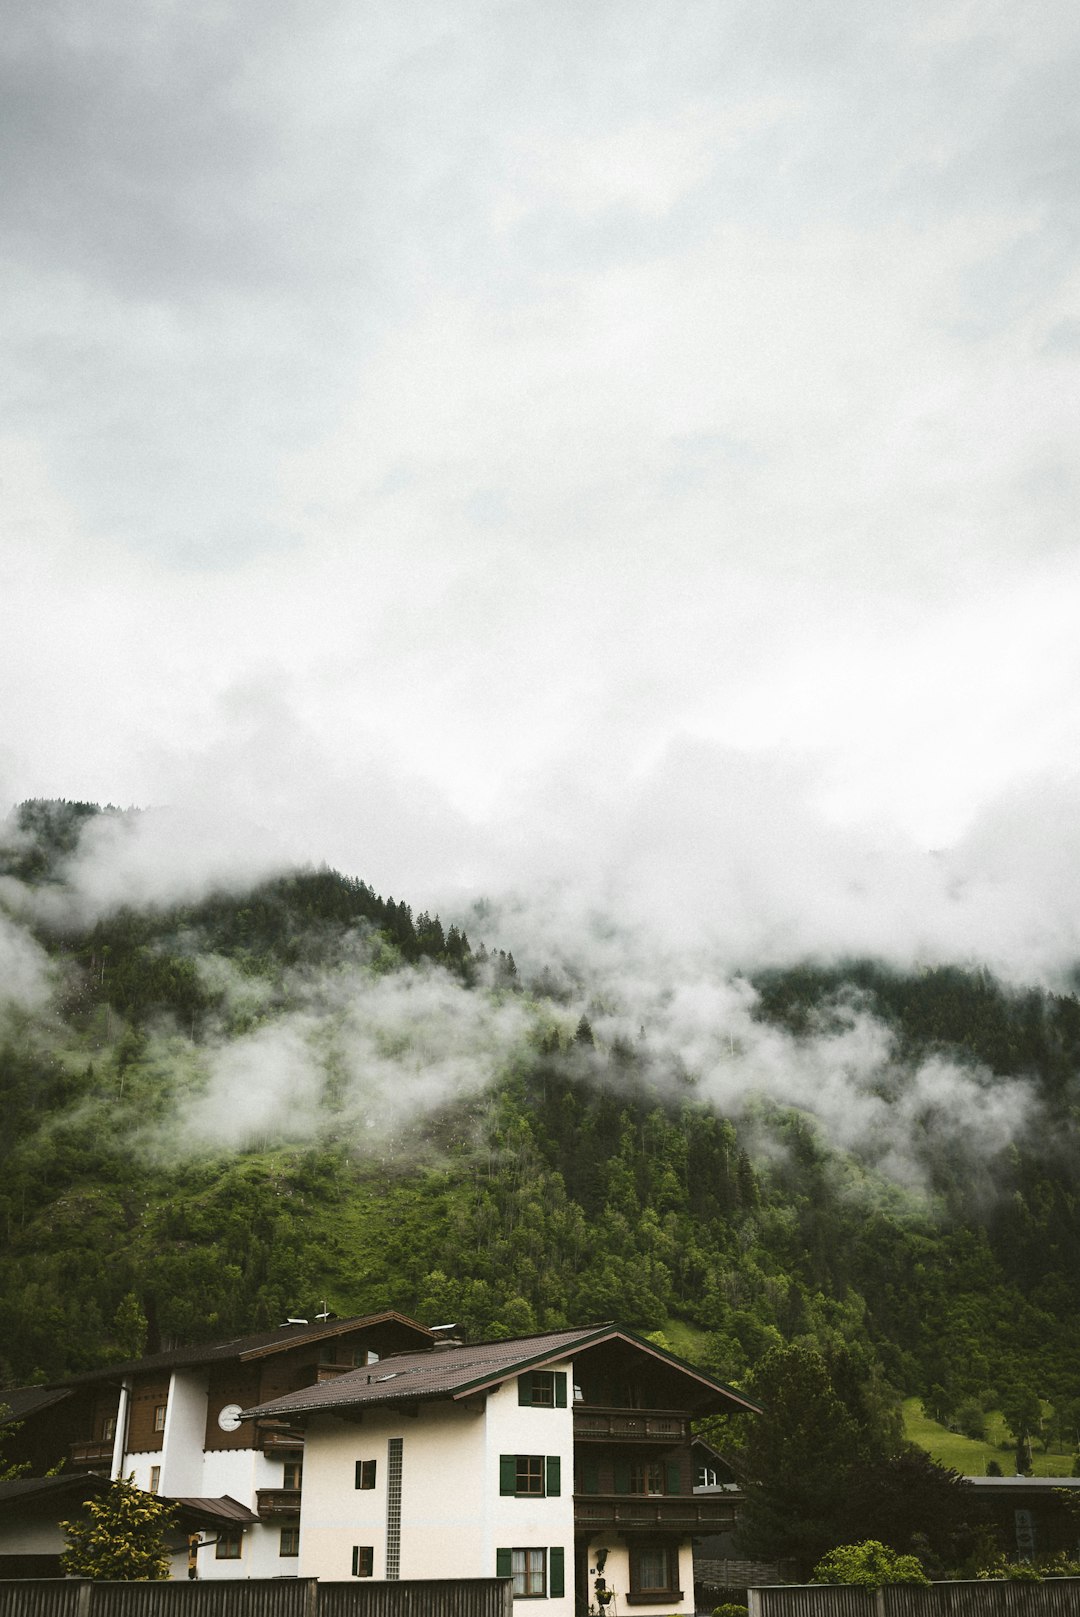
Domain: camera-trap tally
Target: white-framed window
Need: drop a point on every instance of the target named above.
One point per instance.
(159, 1417)
(155, 1478)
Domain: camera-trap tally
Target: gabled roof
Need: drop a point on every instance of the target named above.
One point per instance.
(19, 1492)
(19, 1402)
(461, 1371)
(244, 1348)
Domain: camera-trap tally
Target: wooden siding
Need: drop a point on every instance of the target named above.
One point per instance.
(146, 1394)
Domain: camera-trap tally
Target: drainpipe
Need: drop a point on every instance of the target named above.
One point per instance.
(120, 1435)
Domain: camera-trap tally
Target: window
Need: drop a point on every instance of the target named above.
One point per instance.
(159, 1417)
(289, 1541)
(646, 1477)
(363, 1561)
(108, 1428)
(230, 1544)
(707, 1477)
(530, 1475)
(535, 1572)
(155, 1478)
(292, 1474)
(654, 1572)
(365, 1473)
(543, 1389)
(364, 1356)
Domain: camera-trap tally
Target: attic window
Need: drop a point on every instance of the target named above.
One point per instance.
(542, 1389)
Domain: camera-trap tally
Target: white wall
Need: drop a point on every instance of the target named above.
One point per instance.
(239, 1474)
(531, 1523)
(181, 1457)
(453, 1518)
(617, 1577)
(37, 1538)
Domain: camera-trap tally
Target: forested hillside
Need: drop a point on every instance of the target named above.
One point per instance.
(220, 1112)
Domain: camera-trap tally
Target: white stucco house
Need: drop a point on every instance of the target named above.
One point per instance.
(171, 1421)
(562, 1461)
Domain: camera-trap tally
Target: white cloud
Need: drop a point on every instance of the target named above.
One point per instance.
(629, 447)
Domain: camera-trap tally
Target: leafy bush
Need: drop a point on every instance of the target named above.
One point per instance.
(870, 1564)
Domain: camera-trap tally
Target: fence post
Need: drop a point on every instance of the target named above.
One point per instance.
(753, 1603)
(82, 1608)
(879, 1601)
(311, 1598)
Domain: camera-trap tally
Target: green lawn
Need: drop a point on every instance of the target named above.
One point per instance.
(969, 1457)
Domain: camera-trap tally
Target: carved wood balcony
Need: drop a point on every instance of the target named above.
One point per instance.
(280, 1440)
(683, 1513)
(92, 1452)
(277, 1502)
(630, 1425)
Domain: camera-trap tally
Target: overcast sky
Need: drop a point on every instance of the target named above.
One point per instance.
(523, 444)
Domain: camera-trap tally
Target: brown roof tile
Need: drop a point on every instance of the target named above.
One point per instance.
(455, 1372)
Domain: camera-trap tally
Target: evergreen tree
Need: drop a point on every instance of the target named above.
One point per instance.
(123, 1539)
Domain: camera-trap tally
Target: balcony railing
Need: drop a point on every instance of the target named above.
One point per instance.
(281, 1440)
(688, 1513)
(92, 1452)
(630, 1426)
(277, 1502)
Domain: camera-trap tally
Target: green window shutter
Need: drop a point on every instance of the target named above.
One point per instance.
(503, 1568)
(556, 1570)
(674, 1477)
(525, 1388)
(590, 1476)
(560, 1389)
(622, 1477)
(508, 1473)
(554, 1475)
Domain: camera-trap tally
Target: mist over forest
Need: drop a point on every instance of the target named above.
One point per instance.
(248, 1099)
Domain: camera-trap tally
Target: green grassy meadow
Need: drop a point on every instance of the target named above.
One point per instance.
(970, 1457)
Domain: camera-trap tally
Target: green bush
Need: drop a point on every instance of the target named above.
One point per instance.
(730, 1608)
(870, 1563)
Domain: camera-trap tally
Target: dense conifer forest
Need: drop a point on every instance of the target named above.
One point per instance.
(579, 1181)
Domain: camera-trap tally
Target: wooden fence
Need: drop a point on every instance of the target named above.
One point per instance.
(257, 1597)
(1055, 1597)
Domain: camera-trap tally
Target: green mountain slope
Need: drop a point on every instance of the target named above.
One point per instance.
(229, 1111)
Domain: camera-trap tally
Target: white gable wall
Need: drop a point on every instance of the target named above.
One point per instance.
(453, 1517)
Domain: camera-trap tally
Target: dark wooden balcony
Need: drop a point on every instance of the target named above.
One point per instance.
(93, 1452)
(666, 1426)
(281, 1440)
(277, 1502)
(676, 1513)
